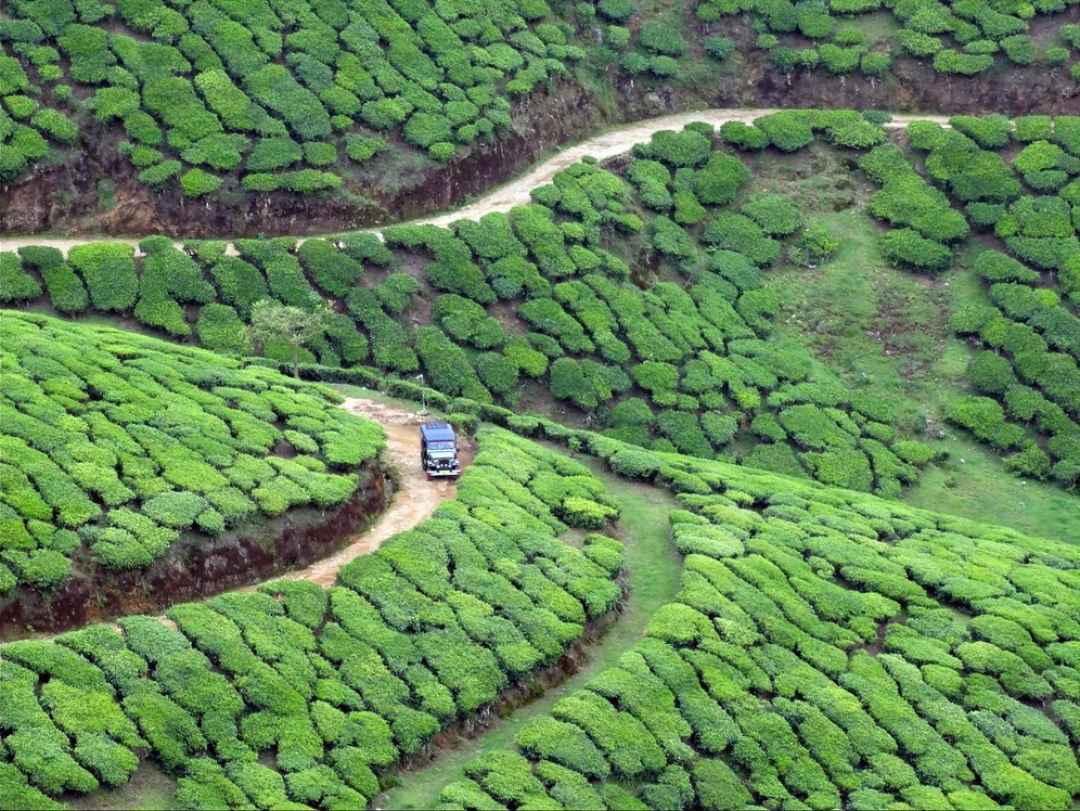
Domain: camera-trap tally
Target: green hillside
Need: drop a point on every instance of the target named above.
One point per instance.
(230, 100)
(300, 696)
(115, 447)
(758, 326)
(640, 295)
(826, 650)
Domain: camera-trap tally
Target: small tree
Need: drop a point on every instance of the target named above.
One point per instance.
(271, 320)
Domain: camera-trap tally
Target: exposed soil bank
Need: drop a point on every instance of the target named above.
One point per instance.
(196, 566)
(65, 197)
(609, 145)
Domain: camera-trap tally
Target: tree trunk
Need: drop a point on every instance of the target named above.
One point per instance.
(296, 362)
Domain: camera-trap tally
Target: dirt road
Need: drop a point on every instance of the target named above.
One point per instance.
(516, 192)
(414, 500)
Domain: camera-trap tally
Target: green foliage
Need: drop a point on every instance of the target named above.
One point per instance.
(783, 586)
(905, 246)
(151, 474)
(109, 272)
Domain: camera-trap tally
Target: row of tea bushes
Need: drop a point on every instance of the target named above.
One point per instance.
(26, 126)
(961, 39)
(299, 696)
(828, 649)
(1026, 374)
(544, 296)
(117, 446)
(276, 95)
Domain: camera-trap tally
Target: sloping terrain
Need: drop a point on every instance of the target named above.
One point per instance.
(827, 650)
(705, 370)
(277, 115)
(124, 454)
(547, 293)
(296, 693)
(634, 293)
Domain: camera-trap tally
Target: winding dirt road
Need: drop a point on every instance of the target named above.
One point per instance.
(415, 498)
(516, 192)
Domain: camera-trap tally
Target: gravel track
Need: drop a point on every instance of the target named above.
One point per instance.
(415, 497)
(516, 192)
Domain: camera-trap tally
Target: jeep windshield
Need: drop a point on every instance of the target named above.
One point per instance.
(441, 445)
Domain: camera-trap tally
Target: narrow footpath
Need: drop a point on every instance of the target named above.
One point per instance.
(654, 574)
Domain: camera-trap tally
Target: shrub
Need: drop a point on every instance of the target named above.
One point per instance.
(776, 215)
(686, 148)
(332, 270)
(990, 131)
(950, 61)
(743, 136)
(109, 272)
(198, 183)
(905, 246)
(497, 372)
(320, 153)
(1020, 48)
(15, 283)
(361, 148)
(719, 48)
(568, 381)
(727, 230)
(424, 129)
(720, 179)
(814, 246)
(274, 87)
(273, 153)
(984, 418)
(66, 291)
(220, 328)
(990, 373)
(788, 131)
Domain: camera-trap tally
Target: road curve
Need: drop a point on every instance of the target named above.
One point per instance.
(415, 498)
(516, 192)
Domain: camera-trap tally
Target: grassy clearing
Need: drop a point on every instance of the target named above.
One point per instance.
(879, 26)
(654, 570)
(150, 789)
(874, 324)
(973, 483)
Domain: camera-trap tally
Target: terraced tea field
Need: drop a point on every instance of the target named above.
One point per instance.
(766, 404)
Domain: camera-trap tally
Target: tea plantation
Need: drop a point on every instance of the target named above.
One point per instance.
(827, 650)
(768, 428)
(116, 446)
(299, 696)
(866, 37)
(234, 100)
(680, 359)
(1025, 377)
(270, 94)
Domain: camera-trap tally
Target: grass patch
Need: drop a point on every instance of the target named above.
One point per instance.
(150, 789)
(973, 483)
(874, 324)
